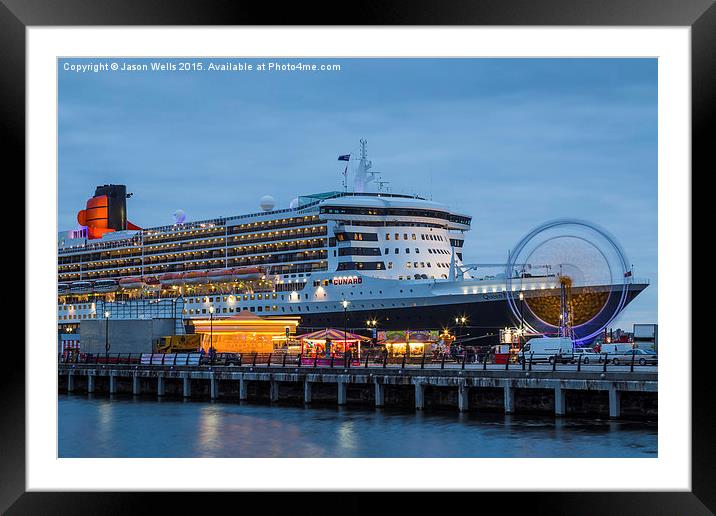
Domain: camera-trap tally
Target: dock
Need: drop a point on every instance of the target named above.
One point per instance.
(563, 390)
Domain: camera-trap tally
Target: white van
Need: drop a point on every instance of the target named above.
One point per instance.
(616, 348)
(548, 349)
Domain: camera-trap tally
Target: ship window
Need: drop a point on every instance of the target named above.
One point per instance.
(414, 238)
(387, 236)
(397, 236)
(397, 251)
(387, 251)
(417, 250)
(390, 265)
(407, 250)
(260, 308)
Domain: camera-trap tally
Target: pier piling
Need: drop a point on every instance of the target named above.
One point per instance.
(136, 389)
(273, 390)
(90, 384)
(379, 394)
(560, 401)
(186, 387)
(70, 382)
(462, 397)
(306, 391)
(213, 387)
(419, 395)
(341, 391)
(614, 402)
(243, 389)
(160, 386)
(509, 399)
(112, 383)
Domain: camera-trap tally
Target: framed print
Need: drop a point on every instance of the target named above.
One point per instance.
(445, 248)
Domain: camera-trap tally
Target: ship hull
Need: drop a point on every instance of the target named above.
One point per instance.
(483, 317)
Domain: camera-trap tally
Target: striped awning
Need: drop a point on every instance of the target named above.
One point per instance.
(332, 334)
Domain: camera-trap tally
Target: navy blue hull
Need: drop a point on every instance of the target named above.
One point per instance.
(483, 318)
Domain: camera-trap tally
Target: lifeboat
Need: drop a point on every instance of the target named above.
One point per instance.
(242, 273)
(195, 277)
(151, 281)
(63, 288)
(81, 287)
(220, 276)
(133, 282)
(106, 285)
(171, 278)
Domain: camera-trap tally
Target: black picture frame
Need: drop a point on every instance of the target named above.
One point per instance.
(17, 15)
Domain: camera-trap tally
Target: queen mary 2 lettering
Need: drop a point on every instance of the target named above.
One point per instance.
(360, 253)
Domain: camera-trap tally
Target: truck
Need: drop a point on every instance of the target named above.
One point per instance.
(179, 343)
(547, 349)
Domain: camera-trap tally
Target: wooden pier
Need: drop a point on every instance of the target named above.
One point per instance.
(561, 392)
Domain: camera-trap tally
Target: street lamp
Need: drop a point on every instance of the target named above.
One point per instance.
(106, 332)
(345, 304)
(211, 330)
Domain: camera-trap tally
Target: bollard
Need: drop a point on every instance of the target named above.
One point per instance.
(268, 362)
(284, 360)
(385, 360)
(241, 358)
(332, 359)
(464, 359)
(579, 363)
(298, 360)
(507, 363)
(442, 362)
(315, 360)
(255, 357)
(632, 361)
(531, 355)
(366, 360)
(606, 359)
(554, 363)
(405, 355)
(522, 360)
(422, 362)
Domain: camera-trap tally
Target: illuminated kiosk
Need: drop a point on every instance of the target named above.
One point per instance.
(322, 345)
(414, 343)
(245, 332)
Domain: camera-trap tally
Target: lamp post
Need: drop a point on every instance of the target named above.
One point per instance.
(106, 332)
(522, 316)
(211, 330)
(345, 304)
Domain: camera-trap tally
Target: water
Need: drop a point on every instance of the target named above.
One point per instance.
(135, 427)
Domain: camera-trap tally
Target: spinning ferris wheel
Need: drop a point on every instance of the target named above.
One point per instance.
(567, 277)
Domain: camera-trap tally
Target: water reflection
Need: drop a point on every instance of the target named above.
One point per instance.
(127, 427)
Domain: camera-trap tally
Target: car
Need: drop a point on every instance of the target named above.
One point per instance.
(588, 355)
(639, 356)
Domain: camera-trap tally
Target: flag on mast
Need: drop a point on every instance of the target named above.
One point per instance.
(344, 157)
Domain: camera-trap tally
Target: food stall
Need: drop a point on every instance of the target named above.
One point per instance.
(321, 346)
(412, 343)
(245, 332)
(509, 346)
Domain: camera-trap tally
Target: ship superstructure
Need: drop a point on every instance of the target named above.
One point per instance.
(397, 259)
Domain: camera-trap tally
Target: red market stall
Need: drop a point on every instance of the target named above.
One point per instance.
(322, 345)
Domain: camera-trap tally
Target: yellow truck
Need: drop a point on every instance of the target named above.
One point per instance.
(179, 343)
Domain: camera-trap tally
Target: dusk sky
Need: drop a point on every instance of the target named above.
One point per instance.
(511, 142)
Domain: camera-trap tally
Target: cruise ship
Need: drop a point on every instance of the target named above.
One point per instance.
(362, 258)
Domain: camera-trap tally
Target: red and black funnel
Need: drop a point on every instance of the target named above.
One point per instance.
(106, 211)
